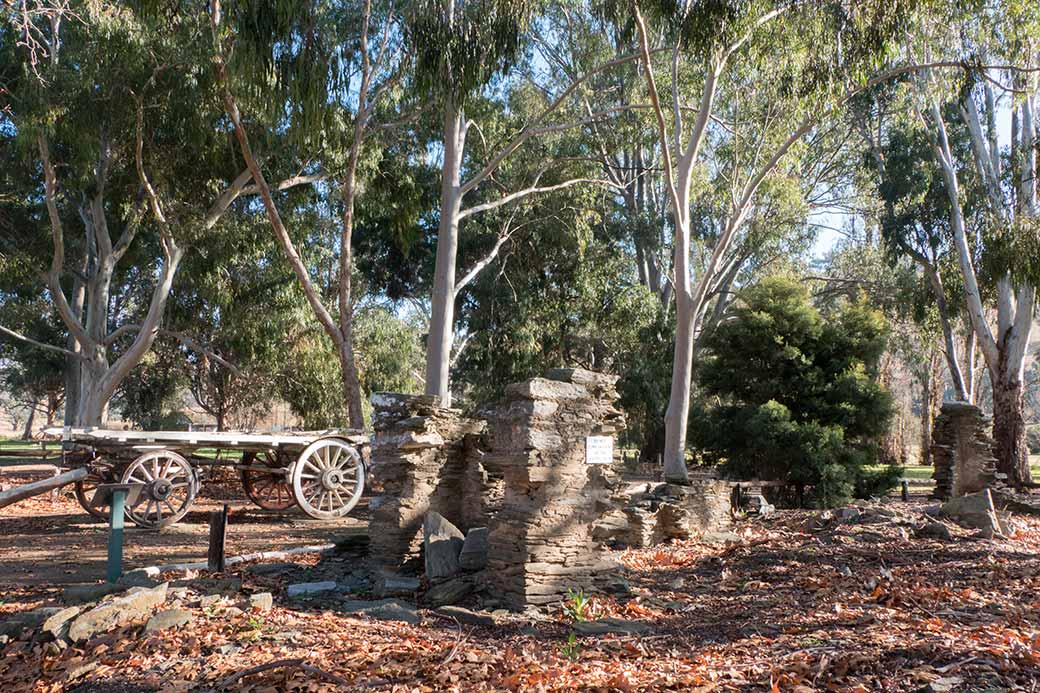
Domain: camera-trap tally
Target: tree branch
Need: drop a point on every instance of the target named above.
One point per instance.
(28, 340)
(530, 191)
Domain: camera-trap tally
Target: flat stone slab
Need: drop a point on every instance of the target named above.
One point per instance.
(606, 626)
(470, 618)
(170, 618)
(89, 592)
(135, 604)
(384, 610)
(262, 602)
(474, 555)
(307, 589)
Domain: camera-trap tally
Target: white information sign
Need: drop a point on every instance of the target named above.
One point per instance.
(599, 449)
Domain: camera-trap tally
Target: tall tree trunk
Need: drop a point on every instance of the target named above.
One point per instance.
(27, 431)
(1009, 431)
(925, 458)
(442, 318)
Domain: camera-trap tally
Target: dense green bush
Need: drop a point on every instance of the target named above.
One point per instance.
(791, 394)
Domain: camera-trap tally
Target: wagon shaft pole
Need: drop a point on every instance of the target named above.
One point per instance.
(24, 491)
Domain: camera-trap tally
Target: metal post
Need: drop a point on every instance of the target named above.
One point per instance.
(115, 536)
(906, 491)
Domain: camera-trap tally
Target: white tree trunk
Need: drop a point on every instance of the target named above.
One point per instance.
(442, 317)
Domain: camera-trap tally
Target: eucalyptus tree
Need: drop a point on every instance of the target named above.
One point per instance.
(462, 49)
(314, 58)
(914, 216)
(118, 133)
(1002, 43)
(810, 53)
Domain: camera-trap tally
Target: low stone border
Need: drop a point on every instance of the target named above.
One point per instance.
(155, 570)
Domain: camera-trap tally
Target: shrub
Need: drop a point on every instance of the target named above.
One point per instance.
(794, 394)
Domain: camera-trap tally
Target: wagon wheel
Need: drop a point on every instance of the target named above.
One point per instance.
(170, 487)
(84, 490)
(328, 479)
(269, 488)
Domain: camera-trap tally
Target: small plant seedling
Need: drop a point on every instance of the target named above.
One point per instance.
(571, 649)
(576, 605)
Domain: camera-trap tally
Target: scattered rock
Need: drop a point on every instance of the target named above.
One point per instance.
(677, 584)
(933, 530)
(974, 510)
(89, 592)
(272, 568)
(849, 514)
(618, 586)
(449, 592)
(56, 624)
(604, 626)
(471, 618)
(442, 544)
(170, 618)
(117, 612)
(306, 589)
(233, 612)
(474, 555)
(262, 602)
(140, 577)
(397, 586)
(27, 620)
(210, 600)
(720, 538)
(229, 648)
(384, 610)
(229, 585)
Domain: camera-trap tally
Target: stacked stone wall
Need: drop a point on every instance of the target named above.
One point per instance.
(423, 456)
(541, 541)
(962, 451)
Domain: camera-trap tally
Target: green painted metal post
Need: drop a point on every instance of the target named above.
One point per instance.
(115, 536)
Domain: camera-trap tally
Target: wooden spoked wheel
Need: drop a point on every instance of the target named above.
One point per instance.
(170, 487)
(265, 482)
(328, 479)
(84, 490)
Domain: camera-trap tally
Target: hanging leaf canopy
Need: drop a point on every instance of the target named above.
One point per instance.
(460, 45)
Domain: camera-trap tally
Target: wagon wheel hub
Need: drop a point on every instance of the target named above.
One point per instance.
(332, 479)
(161, 489)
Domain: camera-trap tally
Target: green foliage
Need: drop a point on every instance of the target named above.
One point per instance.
(571, 649)
(461, 46)
(576, 604)
(791, 394)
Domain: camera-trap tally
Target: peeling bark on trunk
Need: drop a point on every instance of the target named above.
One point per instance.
(1009, 432)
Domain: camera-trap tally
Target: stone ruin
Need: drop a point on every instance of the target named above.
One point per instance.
(962, 451)
(508, 503)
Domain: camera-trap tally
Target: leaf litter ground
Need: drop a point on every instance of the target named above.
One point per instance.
(797, 604)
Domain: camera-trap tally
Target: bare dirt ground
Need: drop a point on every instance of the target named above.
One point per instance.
(47, 542)
(794, 603)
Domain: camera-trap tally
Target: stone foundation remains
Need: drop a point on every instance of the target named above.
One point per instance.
(424, 458)
(962, 451)
(516, 488)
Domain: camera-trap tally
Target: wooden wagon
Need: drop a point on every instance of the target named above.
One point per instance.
(323, 472)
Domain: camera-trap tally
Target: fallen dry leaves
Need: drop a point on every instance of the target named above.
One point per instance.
(842, 608)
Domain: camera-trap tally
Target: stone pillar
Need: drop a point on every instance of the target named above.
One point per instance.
(962, 451)
(541, 541)
(421, 462)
